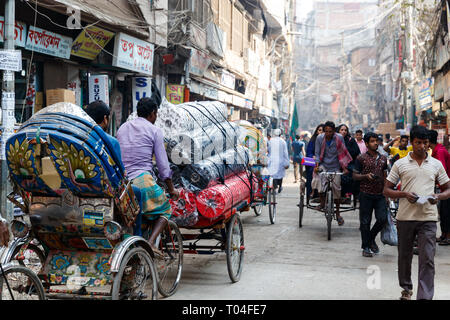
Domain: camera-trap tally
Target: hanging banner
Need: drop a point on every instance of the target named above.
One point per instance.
(20, 32)
(133, 54)
(199, 62)
(47, 42)
(98, 88)
(90, 42)
(140, 87)
(425, 100)
(175, 93)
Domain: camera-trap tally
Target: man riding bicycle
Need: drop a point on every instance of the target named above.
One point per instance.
(331, 156)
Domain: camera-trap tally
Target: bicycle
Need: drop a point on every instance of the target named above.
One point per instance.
(20, 283)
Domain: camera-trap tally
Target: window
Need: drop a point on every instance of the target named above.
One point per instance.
(372, 62)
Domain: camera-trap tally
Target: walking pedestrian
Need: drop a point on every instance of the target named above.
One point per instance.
(417, 213)
(440, 153)
(278, 159)
(360, 141)
(370, 168)
(298, 148)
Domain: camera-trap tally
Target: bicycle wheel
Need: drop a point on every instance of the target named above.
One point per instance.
(301, 207)
(235, 247)
(136, 278)
(329, 212)
(258, 209)
(33, 258)
(272, 205)
(170, 268)
(20, 283)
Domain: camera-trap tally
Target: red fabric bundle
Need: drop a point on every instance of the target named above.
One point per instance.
(184, 210)
(215, 201)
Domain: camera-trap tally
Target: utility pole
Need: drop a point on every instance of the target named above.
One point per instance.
(409, 76)
(8, 106)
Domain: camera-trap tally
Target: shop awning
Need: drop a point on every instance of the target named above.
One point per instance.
(122, 13)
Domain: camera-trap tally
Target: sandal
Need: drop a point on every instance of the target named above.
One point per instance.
(340, 221)
(444, 242)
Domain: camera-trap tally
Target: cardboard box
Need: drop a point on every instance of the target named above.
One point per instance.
(38, 101)
(59, 95)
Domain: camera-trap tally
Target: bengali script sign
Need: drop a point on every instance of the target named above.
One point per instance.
(90, 42)
(175, 93)
(133, 54)
(20, 31)
(48, 42)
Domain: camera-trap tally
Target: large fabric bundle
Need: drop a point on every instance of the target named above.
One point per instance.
(184, 210)
(215, 169)
(215, 201)
(194, 146)
(188, 117)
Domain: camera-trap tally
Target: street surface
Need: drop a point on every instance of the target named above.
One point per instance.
(283, 261)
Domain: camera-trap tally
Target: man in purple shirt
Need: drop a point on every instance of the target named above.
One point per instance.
(139, 141)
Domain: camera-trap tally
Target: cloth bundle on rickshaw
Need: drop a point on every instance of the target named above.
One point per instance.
(194, 146)
(216, 169)
(184, 210)
(215, 201)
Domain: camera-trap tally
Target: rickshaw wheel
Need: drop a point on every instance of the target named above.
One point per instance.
(136, 278)
(272, 205)
(329, 207)
(21, 284)
(235, 247)
(258, 209)
(301, 208)
(171, 267)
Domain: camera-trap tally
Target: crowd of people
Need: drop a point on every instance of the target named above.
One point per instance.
(414, 169)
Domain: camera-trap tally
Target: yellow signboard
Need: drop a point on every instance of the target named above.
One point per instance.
(90, 42)
(175, 93)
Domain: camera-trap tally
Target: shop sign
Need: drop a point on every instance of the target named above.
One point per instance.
(228, 79)
(90, 42)
(224, 97)
(11, 60)
(175, 93)
(425, 100)
(20, 32)
(197, 35)
(133, 54)
(199, 62)
(47, 42)
(98, 88)
(141, 87)
(248, 104)
(238, 101)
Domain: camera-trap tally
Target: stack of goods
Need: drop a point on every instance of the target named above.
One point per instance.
(205, 148)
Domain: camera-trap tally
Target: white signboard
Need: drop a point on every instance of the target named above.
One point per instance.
(133, 54)
(20, 32)
(47, 42)
(11, 60)
(98, 88)
(227, 79)
(141, 87)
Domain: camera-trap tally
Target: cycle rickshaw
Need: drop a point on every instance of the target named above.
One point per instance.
(329, 211)
(80, 209)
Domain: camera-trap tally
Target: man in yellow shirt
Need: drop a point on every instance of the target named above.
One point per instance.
(402, 149)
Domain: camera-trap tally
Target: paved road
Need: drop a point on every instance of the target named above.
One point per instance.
(283, 261)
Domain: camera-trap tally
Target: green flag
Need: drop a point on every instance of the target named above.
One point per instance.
(294, 123)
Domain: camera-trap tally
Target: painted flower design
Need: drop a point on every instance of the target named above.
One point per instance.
(19, 158)
(74, 164)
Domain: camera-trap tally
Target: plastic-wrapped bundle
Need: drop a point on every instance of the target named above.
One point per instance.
(215, 201)
(184, 210)
(187, 117)
(208, 172)
(192, 147)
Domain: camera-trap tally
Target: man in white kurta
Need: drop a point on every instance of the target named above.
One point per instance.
(278, 159)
